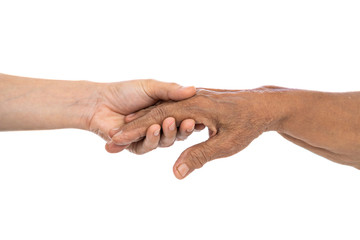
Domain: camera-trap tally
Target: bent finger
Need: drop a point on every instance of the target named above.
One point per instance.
(111, 147)
(169, 132)
(219, 146)
(186, 129)
(149, 143)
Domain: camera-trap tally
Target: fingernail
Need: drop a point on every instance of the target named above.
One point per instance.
(183, 169)
(172, 126)
(188, 87)
(116, 130)
(190, 130)
(156, 133)
(121, 144)
(109, 142)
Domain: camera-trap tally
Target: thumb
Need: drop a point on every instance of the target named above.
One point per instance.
(196, 156)
(167, 91)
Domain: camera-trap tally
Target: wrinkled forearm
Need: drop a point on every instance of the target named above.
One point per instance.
(325, 123)
(35, 104)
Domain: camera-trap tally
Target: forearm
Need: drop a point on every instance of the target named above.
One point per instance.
(34, 104)
(325, 123)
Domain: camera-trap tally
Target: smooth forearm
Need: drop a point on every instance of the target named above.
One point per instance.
(34, 104)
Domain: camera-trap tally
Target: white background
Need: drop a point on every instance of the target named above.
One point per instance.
(62, 184)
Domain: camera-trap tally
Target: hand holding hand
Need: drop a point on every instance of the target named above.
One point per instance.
(116, 100)
(234, 120)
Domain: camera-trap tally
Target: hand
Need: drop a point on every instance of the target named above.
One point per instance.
(234, 120)
(116, 100)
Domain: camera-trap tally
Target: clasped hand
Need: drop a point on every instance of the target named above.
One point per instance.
(233, 119)
(131, 114)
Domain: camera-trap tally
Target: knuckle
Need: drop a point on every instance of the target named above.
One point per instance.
(132, 149)
(166, 143)
(174, 85)
(147, 84)
(181, 138)
(200, 102)
(142, 112)
(147, 150)
(149, 81)
(137, 148)
(138, 151)
(158, 112)
(198, 158)
(153, 146)
(149, 146)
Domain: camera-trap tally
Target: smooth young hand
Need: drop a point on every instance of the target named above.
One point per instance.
(37, 104)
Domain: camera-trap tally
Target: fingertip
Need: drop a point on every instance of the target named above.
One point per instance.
(188, 125)
(176, 172)
(169, 124)
(182, 170)
(186, 129)
(118, 138)
(182, 93)
(130, 117)
(111, 147)
(107, 148)
(189, 91)
(126, 136)
(154, 131)
(114, 131)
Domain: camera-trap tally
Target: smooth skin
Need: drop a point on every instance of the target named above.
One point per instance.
(327, 124)
(37, 104)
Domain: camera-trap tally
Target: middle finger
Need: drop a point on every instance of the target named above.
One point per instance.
(169, 132)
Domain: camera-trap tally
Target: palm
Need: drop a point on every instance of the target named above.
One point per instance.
(118, 100)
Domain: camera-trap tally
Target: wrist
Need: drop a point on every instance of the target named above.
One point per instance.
(69, 104)
(87, 97)
(277, 104)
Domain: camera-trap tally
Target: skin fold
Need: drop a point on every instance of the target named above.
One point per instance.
(36, 104)
(327, 124)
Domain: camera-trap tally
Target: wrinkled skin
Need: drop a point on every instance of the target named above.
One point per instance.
(327, 124)
(233, 120)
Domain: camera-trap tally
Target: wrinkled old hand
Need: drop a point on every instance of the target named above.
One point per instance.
(234, 120)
